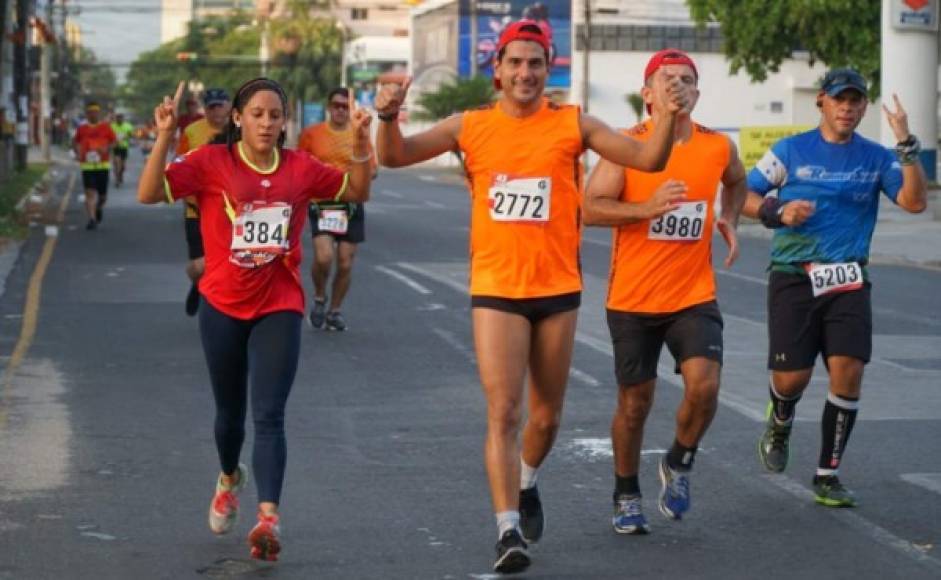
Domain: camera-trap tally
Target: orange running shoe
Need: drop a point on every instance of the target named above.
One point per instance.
(224, 508)
(265, 538)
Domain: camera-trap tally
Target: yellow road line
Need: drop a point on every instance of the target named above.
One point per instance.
(31, 309)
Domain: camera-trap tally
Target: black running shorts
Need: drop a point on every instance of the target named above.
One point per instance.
(638, 339)
(532, 309)
(120, 152)
(96, 179)
(800, 326)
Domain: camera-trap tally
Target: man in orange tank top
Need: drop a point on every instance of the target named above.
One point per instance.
(521, 155)
(662, 287)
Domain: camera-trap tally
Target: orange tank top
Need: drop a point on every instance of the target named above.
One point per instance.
(665, 265)
(525, 180)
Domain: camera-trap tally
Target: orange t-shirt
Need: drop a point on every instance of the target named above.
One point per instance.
(331, 146)
(525, 181)
(658, 266)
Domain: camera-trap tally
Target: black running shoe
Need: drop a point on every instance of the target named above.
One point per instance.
(532, 520)
(92, 224)
(335, 321)
(192, 300)
(99, 213)
(512, 555)
(318, 314)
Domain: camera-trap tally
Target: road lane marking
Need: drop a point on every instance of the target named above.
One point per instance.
(31, 308)
(404, 279)
(391, 193)
(584, 377)
(929, 481)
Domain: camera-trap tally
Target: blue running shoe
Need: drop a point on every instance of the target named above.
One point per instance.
(629, 516)
(674, 493)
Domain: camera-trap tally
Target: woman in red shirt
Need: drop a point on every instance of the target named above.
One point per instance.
(252, 196)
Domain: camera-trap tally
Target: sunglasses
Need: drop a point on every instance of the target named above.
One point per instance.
(340, 106)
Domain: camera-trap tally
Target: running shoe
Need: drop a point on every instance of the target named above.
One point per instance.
(318, 313)
(512, 553)
(99, 213)
(830, 492)
(265, 537)
(192, 300)
(674, 493)
(629, 516)
(532, 520)
(335, 321)
(773, 443)
(92, 224)
(224, 509)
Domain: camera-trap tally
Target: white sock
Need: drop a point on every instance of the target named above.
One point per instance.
(508, 520)
(527, 475)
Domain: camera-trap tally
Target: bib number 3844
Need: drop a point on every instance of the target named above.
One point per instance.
(683, 224)
(831, 278)
(520, 200)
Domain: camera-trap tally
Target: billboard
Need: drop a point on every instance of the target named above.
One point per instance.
(553, 16)
(753, 142)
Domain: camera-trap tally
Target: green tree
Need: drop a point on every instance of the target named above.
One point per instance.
(96, 81)
(636, 102)
(453, 97)
(306, 53)
(760, 34)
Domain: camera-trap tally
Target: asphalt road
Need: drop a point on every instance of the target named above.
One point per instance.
(107, 462)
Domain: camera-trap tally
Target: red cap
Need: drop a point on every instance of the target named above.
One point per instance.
(668, 56)
(514, 31)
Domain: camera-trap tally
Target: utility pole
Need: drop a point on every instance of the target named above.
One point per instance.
(474, 33)
(45, 115)
(21, 84)
(586, 57)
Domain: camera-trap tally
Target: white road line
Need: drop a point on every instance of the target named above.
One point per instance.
(453, 284)
(584, 377)
(428, 178)
(456, 343)
(929, 481)
(747, 278)
(435, 205)
(405, 280)
(390, 193)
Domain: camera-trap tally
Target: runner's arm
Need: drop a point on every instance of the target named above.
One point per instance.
(396, 150)
(734, 192)
(603, 205)
(651, 155)
(150, 187)
(913, 197)
(361, 164)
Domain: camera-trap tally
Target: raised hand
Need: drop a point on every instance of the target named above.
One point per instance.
(391, 96)
(666, 199)
(361, 120)
(165, 115)
(677, 96)
(898, 120)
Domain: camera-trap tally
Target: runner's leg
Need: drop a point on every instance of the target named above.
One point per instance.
(323, 261)
(346, 254)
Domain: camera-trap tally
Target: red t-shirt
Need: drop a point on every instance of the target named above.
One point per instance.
(97, 138)
(227, 189)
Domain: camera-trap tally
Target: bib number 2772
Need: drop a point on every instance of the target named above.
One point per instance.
(525, 199)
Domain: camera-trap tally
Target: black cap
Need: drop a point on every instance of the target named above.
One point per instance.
(215, 97)
(840, 79)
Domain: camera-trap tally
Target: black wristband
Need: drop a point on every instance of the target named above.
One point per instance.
(388, 117)
(908, 150)
(770, 212)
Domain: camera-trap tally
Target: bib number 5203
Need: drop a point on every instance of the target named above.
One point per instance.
(830, 278)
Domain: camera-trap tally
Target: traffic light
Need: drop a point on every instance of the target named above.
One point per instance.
(186, 56)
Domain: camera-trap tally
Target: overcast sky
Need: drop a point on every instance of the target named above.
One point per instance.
(119, 30)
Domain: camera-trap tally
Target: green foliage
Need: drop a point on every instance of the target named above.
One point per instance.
(636, 102)
(453, 97)
(760, 34)
(227, 49)
(12, 189)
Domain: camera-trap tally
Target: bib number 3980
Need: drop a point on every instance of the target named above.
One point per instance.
(831, 278)
(683, 224)
(524, 199)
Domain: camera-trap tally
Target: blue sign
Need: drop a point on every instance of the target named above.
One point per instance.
(311, 114)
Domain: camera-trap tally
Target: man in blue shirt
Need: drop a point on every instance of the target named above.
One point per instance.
(828, 182)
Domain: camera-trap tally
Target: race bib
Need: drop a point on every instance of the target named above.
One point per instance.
(334, 221)
(520, 200)
(260, 234)
(832, 278)
(684, 224)
(93, 157)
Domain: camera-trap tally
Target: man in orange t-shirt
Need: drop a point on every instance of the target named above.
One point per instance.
(92, 145)
(662, 286)
(342, 224)
(521, 155)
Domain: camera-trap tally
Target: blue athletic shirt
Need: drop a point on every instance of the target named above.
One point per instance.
(843, 180)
